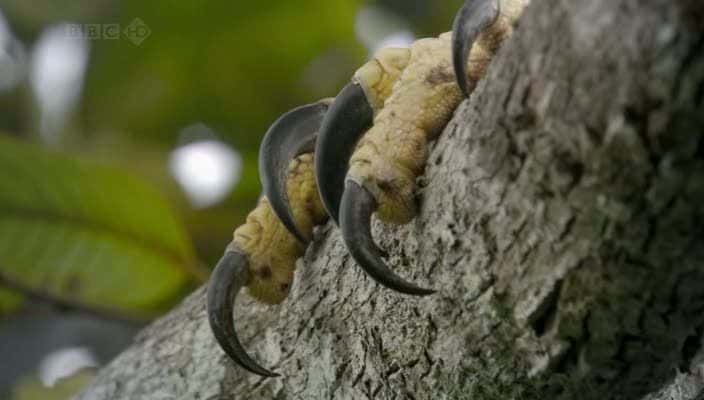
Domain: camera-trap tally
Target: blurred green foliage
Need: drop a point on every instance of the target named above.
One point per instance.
(31, 388)
(88, 233)
(234, 66)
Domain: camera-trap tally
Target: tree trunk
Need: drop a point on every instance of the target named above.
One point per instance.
(562, 223)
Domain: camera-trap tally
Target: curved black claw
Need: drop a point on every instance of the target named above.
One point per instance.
(356, 211)
(348, 118)
(289, 136)
(471, 20)
(229, 276)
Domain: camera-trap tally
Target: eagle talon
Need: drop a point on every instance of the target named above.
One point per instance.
(293, 134)
(357, 208)
(471, 20)
(230, 275)
(348, 118)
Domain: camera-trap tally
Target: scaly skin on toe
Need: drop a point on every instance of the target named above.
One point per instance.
(350, 115)
(271, 249)
(378, 75)
(394, 151)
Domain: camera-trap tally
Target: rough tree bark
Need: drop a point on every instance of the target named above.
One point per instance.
(562, 220)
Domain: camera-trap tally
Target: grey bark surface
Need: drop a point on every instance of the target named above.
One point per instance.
(562, 222)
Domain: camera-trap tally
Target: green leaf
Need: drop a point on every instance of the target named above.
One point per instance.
(89, 234)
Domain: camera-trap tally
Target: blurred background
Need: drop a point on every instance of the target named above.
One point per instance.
(129, 133)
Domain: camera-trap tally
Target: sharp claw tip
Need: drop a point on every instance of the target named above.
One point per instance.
(418, 291)
(229, 277)
(357, 207)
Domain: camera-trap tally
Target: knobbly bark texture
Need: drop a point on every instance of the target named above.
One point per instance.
(562, 222)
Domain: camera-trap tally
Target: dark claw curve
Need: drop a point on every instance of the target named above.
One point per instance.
(293, 134)
(471, 20)
(349, 116)
(356, 211)
(228, 278)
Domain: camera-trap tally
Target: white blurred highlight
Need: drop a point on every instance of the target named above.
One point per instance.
(377, 28)
(64, 363)
(395, 39)
(207, 170)
(58, 65)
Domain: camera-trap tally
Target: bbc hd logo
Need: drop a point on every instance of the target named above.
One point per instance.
(136, 32)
